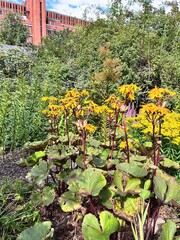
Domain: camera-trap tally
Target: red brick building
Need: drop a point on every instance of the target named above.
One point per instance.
(39, 20)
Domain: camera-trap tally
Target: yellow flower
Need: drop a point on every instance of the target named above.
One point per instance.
(114, 102)
(153, 112)
(171, 127)
(122, 145)
(101, 109)
(44, 99)
(128, 91)
(72, 93)
(84, 93)
(160, 93)
(90, 128)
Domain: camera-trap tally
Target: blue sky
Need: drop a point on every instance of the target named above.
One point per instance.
(76, 8)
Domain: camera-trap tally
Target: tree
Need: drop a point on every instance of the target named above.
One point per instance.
(13, 31)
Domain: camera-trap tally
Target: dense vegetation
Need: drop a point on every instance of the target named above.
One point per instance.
(13, 31)
(110, 93)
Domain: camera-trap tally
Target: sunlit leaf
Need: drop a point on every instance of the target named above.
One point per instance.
(90, 182)
(135, 169)
(38, 232)
(92, 230)
(69, 201)
(48, 196)
(168, 230)
(39, 172)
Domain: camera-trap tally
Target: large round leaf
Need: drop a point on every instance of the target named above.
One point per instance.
(48, 196)
(38, 232)
(39, 172)
(126, 184)
(92, 230)
(70, 201)
(90, 182)
(134, 169)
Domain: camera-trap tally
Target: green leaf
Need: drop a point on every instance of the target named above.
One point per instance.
(167, 189)
(126, 184)
(38, 232)
(168, 230)
(138, 158)
(147, 184)
(133, 185)
(48, 196)
(167, 163)
(90, 182)
(106, 196)
(92, 151)
(93, 142)
(131, 206)
(39, 172)
(80, 163)
(118, 180)
(99, 162)
(145, 194)
(61, 152)
(160, 187)
(37, 146)
(69, 201)
(134, 169)
(108, 222)
(172, 195)
(148, 144)
(91, 229)
(36, 198)
(33, 159)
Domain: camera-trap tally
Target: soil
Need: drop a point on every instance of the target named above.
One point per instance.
(9, 166)
(63, 224)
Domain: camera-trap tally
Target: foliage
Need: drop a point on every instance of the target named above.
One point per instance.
(100, 153)
(169, 230)
(92, 230)
(39, 231)
(89, 174)
(16, 210)
(146, 42)
(13, 31)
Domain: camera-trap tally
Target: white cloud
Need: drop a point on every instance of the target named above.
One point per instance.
(64, 6)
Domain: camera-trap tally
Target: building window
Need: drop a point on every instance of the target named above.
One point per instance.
(51, 22)
(0, 11)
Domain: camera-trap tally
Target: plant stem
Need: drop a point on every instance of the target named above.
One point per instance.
(114, 133)
(84, 148)
(126, 137)
(159, 145)
(67, 127)
(154, 143)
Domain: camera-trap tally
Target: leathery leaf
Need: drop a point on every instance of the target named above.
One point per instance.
(92, 230)
(70, 201)
(39, 232)
(90, 182)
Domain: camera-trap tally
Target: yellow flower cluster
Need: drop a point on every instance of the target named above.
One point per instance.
(115, 103)
(128, 91)
(160, 93)
(76, 94)
(154, 112)
(50, 99)
(170, 126)
(90, 128)
(53, 108)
